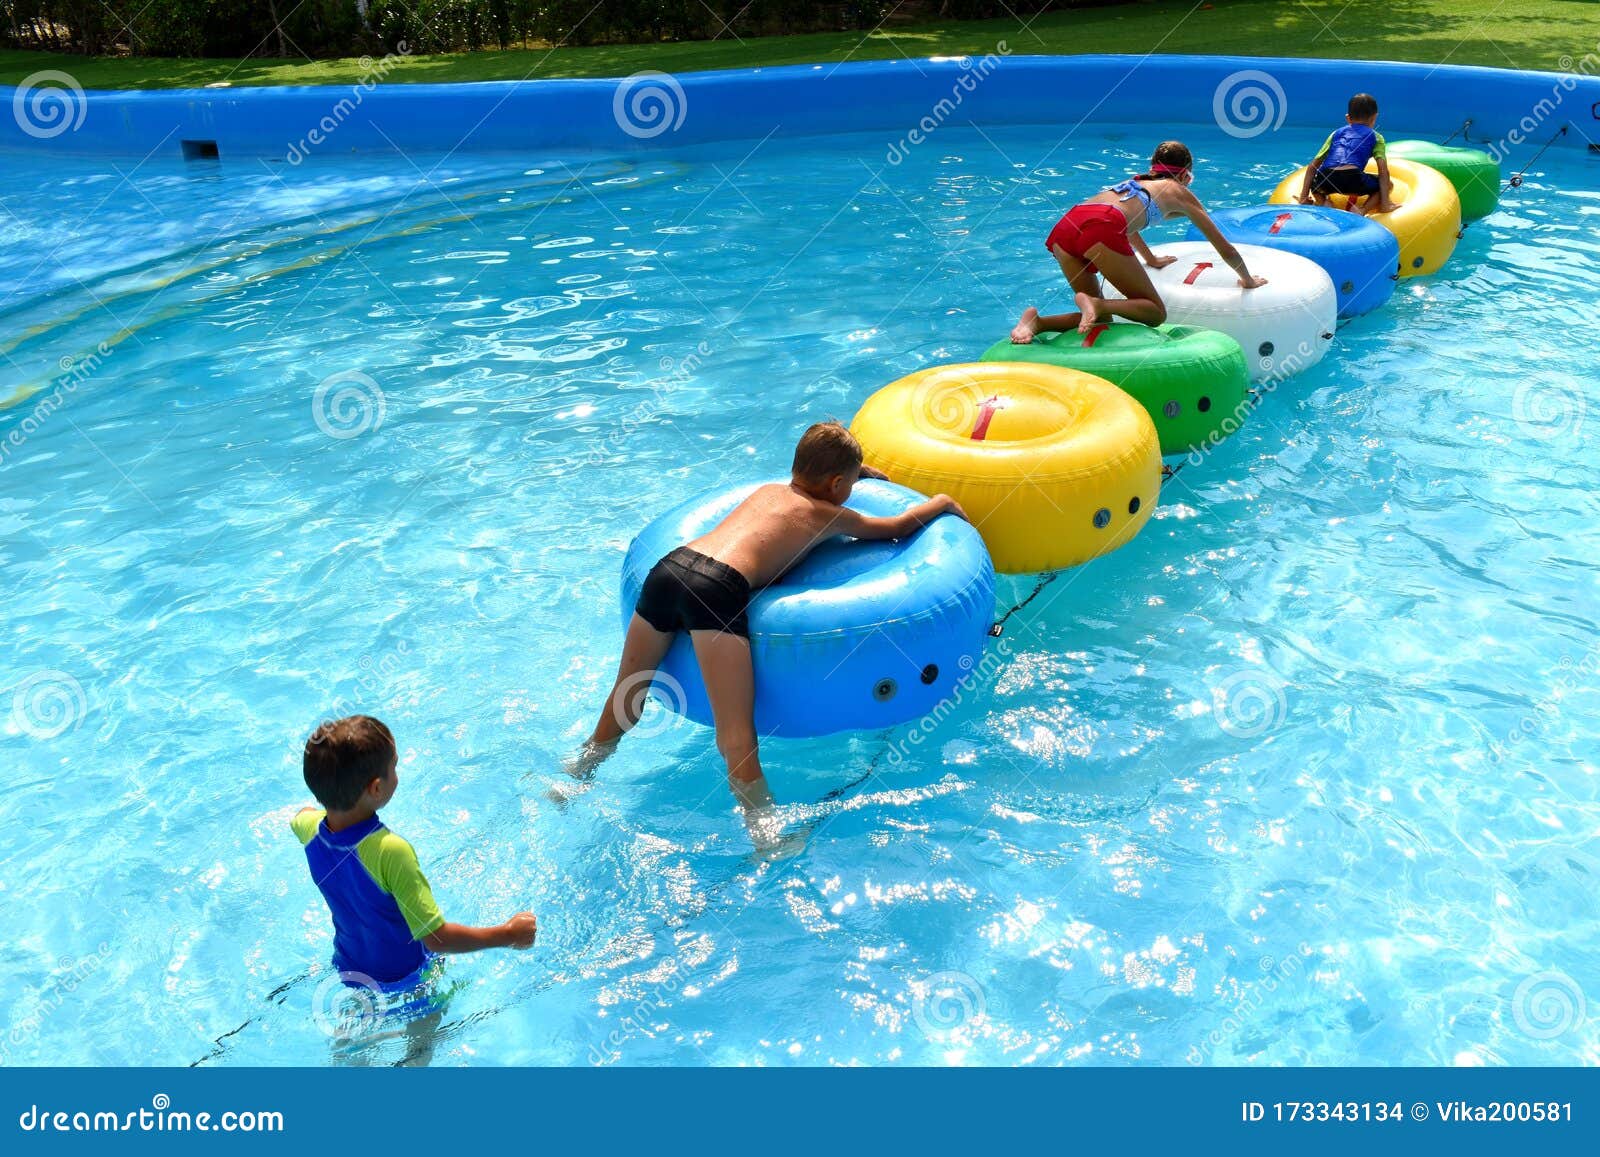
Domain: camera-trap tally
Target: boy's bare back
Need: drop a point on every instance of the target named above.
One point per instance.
(767, 533)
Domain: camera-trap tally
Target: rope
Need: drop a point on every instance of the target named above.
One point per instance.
(1516, 181)
(1167, 474)
(1044, 581)
(1462, 132)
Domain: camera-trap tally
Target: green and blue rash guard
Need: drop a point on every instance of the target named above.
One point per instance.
(381, 904)
(1352, 145)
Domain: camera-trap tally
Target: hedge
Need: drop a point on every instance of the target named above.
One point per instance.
(334, 28)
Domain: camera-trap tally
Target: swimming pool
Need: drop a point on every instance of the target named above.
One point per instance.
(1304, 773)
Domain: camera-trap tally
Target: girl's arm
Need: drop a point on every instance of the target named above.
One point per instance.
(1225, 250)
(1148, 257)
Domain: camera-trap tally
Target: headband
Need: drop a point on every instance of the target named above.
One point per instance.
(1169, 170)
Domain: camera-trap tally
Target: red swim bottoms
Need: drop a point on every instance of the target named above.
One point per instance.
(1087, 226)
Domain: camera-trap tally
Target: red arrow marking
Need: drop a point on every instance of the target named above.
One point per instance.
(1199, 268)
(1093, 335)
(1278, 223)
(986, 412)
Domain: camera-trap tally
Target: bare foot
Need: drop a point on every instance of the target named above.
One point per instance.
(1022, 333)
(1088, 307)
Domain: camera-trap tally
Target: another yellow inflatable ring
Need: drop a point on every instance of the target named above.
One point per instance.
(1054, 466)
(1426, 224)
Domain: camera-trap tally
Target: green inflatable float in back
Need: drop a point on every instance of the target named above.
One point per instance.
(1192, 381)
(1473, 172)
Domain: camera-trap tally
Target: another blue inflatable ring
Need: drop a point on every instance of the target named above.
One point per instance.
(859, 635)
(1360, 255)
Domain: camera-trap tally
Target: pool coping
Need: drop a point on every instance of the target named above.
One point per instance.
(907, 100)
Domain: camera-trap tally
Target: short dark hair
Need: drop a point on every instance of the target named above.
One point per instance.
(1363, 105)
(342, 757)
(826, 449)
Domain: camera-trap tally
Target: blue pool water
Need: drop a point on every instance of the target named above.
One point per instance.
(1305, 773)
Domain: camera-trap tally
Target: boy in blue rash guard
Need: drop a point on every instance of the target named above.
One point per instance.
(386, 925)
(1340, 165)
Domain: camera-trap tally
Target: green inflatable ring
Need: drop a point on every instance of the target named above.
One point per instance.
(1473, 172)
(1192, 381)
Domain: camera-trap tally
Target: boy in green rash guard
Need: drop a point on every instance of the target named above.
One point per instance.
(1340, 165)
(386, 925)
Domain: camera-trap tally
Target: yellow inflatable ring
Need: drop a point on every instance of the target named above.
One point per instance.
(1426, 223)
(1053, 466)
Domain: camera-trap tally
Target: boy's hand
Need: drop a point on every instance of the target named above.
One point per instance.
(1160, 262)
(951, 506)
(521, 930)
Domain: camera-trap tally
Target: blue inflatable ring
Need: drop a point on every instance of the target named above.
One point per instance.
(859, 635)
(1360, 255)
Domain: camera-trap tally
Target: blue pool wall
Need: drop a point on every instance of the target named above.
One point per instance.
(576, 116)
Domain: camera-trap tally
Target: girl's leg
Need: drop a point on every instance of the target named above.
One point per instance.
(1142, 303)
(1080, 275)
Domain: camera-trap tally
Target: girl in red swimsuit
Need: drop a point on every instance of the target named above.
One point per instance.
(1102, 234)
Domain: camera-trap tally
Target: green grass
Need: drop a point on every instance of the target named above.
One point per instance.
(1534, 34)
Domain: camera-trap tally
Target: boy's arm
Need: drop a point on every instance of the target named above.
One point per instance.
(304, 823)
(401, 875)
(1305, 182)
(517, 932)
(1311, 169)
(1385, 186)
(858, 525)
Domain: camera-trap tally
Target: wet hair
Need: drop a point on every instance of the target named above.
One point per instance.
(1363, 105)
(344, 756)
(824, 450)
(1170, 154)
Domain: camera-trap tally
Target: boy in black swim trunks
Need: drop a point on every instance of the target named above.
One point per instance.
(1340, 166)
(704, 588)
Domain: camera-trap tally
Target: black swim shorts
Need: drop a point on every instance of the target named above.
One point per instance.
(1352, 182)
(686, 591)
